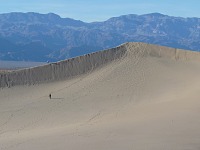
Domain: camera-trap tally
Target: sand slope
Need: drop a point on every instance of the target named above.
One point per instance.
(137, 96)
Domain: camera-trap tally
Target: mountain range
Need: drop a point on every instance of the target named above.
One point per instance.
(48, 37)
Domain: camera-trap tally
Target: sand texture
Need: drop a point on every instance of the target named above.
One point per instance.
(133, 97)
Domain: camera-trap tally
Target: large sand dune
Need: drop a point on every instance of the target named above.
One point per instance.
(136, 96)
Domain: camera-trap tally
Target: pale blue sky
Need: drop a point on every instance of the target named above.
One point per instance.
(91, 10)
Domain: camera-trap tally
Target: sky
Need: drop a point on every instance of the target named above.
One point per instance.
(91, 10)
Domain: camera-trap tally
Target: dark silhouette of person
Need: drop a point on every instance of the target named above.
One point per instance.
(49, 96)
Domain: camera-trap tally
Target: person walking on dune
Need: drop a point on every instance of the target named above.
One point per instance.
(49, 96)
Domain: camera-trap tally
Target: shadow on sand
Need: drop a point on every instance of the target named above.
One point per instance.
(57, 98)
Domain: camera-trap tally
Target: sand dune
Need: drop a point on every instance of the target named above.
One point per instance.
(136, 96)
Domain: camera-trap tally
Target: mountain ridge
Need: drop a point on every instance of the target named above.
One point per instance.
(48, 37)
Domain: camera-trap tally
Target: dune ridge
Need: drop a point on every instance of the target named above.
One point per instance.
(83, 64)
(61, 70)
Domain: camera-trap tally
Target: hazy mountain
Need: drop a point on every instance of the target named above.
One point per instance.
(42, 37)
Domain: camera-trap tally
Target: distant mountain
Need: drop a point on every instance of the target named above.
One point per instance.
(42, 37)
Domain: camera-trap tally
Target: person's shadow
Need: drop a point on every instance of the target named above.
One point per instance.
(56, 98)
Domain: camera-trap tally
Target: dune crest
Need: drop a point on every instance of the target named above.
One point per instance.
(83, 64)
